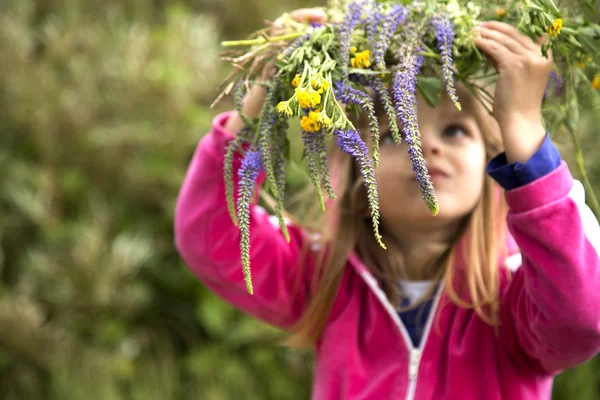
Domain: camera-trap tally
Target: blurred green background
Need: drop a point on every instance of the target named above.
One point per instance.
(101, 106)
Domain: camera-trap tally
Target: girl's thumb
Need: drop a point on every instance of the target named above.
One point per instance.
(316, 14)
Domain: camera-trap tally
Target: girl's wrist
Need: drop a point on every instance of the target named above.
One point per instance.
(234, 123)
(252, 105)
(522, 139)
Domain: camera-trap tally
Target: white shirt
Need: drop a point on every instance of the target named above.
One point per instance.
(415, 289)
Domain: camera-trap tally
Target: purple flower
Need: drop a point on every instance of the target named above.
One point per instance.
(351, 19)
(395, 17)
(230, 152)
(320, 147)
(349, 95)
(238, 93)
(268, 119)
(252, 166)
(350, 142)
(557, 81)
(388, 107)
(311, 149)
(373, 26)
(296, 44)
(405, 98)
(558, 85)
(244, 136)
(444, 30)
(279, 163)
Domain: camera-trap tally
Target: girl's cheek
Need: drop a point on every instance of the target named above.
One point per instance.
(474, 159)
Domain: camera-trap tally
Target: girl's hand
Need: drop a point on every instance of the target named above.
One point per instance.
(523, 74)
(254, 99)
(315, 15)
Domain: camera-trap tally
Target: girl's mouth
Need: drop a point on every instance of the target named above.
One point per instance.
(435, 174)
(438, 176)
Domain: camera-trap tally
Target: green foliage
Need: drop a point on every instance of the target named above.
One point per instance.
(101, 107)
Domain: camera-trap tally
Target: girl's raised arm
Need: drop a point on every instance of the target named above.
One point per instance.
(209, 242)
(550, 311)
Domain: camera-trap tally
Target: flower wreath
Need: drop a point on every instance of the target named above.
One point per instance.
(323, 71)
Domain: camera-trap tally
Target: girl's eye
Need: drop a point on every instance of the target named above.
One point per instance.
(455, 131)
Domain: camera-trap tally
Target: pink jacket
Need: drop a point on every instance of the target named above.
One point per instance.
(550, 309)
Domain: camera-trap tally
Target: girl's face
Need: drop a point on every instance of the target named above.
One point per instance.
(454, 150)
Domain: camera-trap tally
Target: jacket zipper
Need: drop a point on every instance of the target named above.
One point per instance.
(415, 352)
(413, 369)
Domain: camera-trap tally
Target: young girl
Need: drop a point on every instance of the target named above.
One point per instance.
(487, 300)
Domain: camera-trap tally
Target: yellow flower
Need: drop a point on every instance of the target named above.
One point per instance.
(315, 98)
(296, 80)
(361, 60)
(586, 60)
(319, 84)
(308, 99)
(353, 49)
(313, 83)
(315, 121)
(284, 109)
(500, 12)
(303, 98)
(596, 82)
(309, 124)
(325, 120)
(556, 27)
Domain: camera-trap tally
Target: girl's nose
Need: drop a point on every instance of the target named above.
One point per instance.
(431, 143)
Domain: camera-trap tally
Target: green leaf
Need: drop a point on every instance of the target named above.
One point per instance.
(590, 7)
(286, 148)
(574, 41)
(431, 89)
(589, 40)
(464, 67)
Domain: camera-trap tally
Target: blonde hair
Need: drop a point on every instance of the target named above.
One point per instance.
(479, 242)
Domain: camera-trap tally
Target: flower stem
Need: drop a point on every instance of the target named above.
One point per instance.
(261, 40)
(586, 182)
(573, 116)
(430, 54)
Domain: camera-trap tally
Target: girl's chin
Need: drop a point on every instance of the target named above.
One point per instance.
(418, 210)
(413, 206)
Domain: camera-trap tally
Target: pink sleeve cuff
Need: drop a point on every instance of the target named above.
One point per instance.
(217, 141)
(542, 191)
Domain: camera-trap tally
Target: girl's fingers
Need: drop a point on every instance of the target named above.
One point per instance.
(508, 35)
(310, 15)
(494, 50)
(304, 15)
(512, 32)
(507, 41)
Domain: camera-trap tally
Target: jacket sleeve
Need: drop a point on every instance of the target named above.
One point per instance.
(550, 310)
(208, 241)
